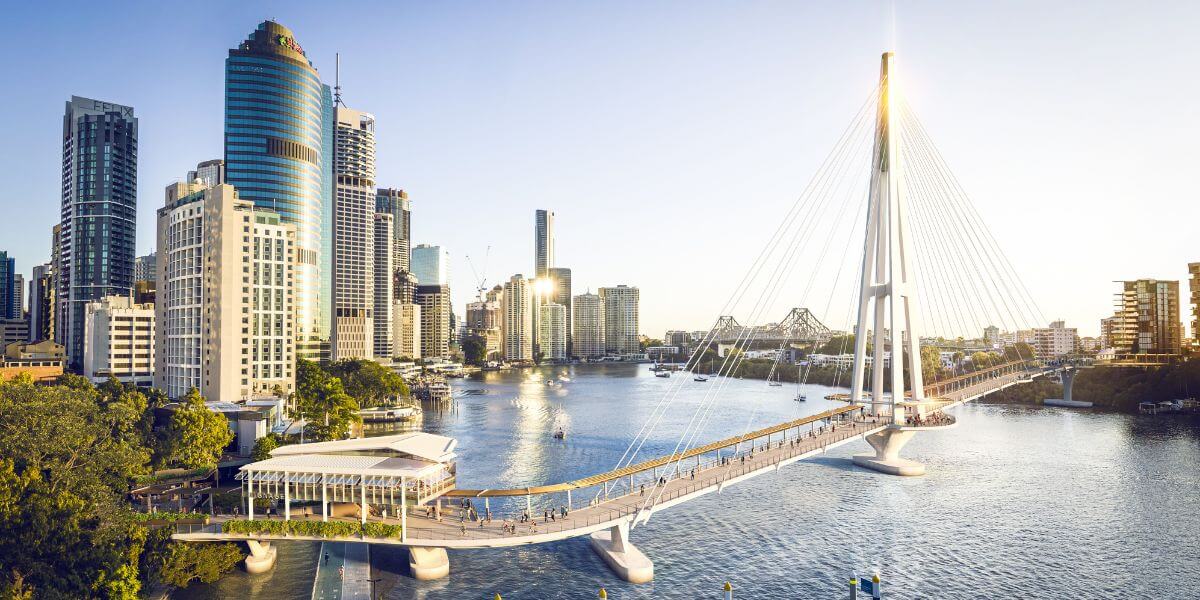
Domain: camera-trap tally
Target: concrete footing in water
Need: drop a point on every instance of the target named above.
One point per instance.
(428, 563)
(262, 556)
(621, 556)
(887, 445)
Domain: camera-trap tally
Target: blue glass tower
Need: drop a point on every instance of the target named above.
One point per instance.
(278, 153)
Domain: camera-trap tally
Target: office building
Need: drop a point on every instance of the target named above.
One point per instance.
(395, 202)
(8, 287)
(621, 320)
(353, 234)
(517, 324)
(588, 326)
(143, 267)
(552, 331)
(99, 212)
(406, 335)
(13, 331)
(431, 265)
(543, 242)
(1147, 313)
(226, 283)
(119, 341)
(383, 319)
(434, 301)
(208, 173)
(278, 155)
(41, 303)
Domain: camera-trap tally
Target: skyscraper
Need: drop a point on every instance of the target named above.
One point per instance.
(396, 203)
(354, 234)
(431, 265)
(543, 242)
(18, 301)
(278, 154)
(588, 326)
(99, 212)
(41, 303)
(8, 287)
(209, 173)
(517, 327)
(1147, 313)
(383, 337)
(1194, 286)
(621, 319)
(560, 278)
(434, 301)
(226, 287)
(143, 267)
(552, 331)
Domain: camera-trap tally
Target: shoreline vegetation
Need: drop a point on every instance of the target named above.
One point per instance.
(1117, 388)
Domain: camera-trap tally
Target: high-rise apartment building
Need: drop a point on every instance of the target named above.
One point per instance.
(1194, 285)
(552, 331)
(543, 242)
(621, 319)
(431, 265)
(226, 283)
(354, 234)
(406, 333)
(560, 293)
(209, 173)
(395, 202)
(434, 301)
(1147, 313)
(1055, 340)
(143, 267)
(278, 155)
(8, 287)
(517, 309)
(41, 303)
(384, 278)
(119, 341)
(99, 213)
(588, 326)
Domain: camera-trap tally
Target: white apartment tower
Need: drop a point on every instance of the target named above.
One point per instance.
(224, 320)
(353, 234)
(119, 341)
(621, 319)
(552, 331)
(517, 308)
(588, 325)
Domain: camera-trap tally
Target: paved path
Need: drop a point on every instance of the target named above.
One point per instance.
(354, 560)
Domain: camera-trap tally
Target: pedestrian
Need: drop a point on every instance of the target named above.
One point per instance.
(326, 558)
(642, 490)
(341, 572)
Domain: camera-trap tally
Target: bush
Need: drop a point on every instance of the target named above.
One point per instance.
(311, 528)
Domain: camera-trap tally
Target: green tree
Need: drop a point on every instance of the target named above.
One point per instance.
(474, 350)
(264, 446)
(368, 382)
(198, 435)
(183, 563)
(323, 403)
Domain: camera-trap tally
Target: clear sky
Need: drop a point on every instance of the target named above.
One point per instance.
(668, 137)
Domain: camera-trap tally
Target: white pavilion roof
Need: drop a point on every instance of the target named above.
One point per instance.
(334, 464)
(420, 445)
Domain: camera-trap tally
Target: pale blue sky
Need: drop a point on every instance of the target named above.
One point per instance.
(647, 126)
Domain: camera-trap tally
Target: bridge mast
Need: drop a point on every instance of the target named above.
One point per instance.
(888, 281)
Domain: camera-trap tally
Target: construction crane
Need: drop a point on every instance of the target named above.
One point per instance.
(480, 278)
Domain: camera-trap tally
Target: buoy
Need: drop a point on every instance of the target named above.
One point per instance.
(728, 591)
(603, 594)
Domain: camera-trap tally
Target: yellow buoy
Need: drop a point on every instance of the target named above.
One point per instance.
(603, 594)
(728, 588)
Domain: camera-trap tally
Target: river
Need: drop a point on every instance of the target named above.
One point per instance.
(1018, 502)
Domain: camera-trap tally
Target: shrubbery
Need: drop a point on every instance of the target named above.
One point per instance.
(323, 529)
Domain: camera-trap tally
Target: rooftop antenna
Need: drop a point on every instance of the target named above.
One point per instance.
(337, 80)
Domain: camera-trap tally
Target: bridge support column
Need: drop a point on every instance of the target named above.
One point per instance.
(262, 556)
(428, 563)
(621, 556)
(887, 445)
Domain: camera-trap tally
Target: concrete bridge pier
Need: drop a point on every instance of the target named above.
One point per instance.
(428, 563)
(262, 556)
(887, 444)
(621, 556)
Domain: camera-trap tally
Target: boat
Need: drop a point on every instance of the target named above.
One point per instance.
(560, 435)
(663, 374)
(699, 378)
(801, 398)
(389, 414)
(775, 384)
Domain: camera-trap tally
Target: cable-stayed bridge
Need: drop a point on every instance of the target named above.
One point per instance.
(883, 231)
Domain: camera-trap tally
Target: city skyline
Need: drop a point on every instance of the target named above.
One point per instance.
(458, 153)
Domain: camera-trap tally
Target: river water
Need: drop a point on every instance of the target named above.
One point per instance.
(1018, 502)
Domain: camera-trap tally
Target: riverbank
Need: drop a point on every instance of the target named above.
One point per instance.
(1117, 388)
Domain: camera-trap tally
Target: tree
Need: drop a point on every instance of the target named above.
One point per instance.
(368, 382)
(198, 435)
(323, 402)
(474, 350)
(264, 446)
(183, 563)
